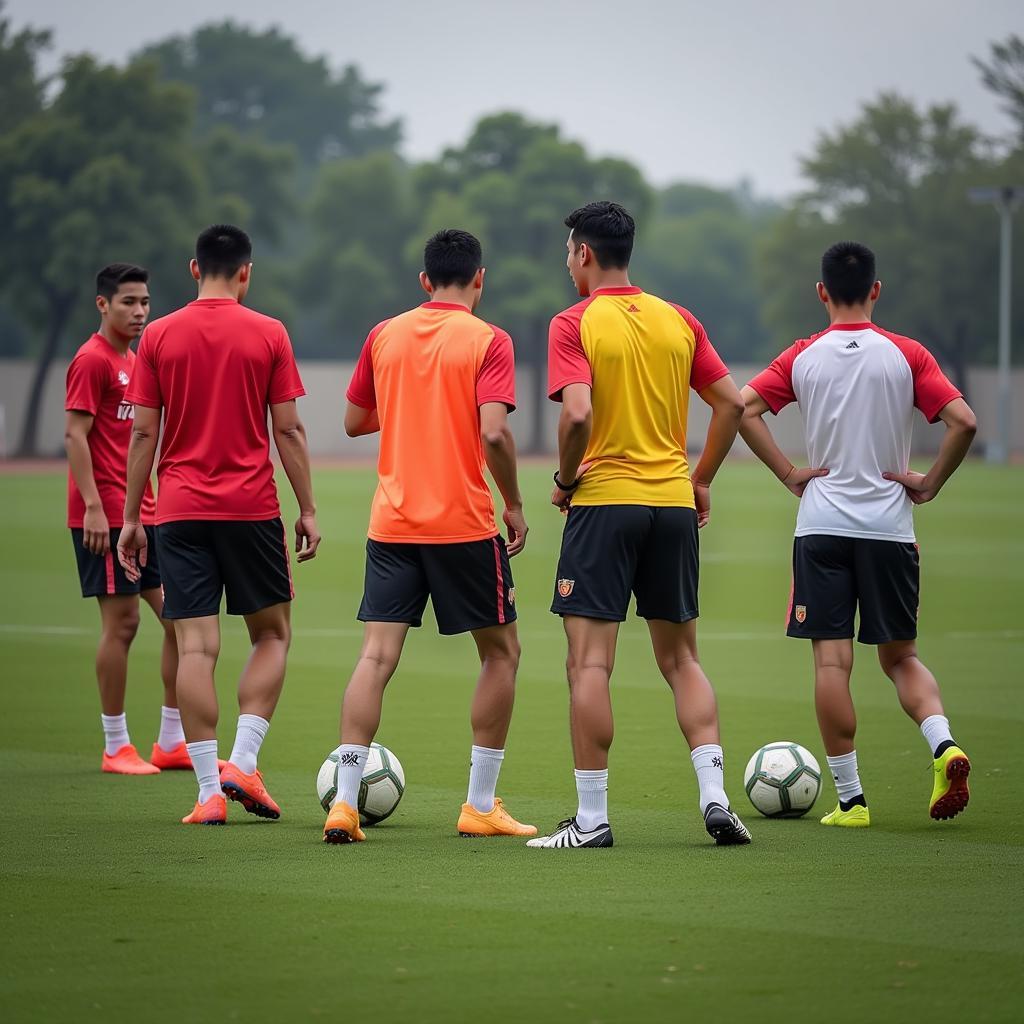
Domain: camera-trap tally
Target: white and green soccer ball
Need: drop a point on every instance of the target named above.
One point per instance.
(782, 780)
(380, 790)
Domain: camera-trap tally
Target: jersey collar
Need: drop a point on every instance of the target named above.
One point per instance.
(445, 305)
(626, 290)
(865, 326)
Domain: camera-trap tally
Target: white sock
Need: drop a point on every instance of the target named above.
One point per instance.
(484, 765)
(592, 791)
(204, 762)
(844, 771)
(935, 730)
(351, 763)
(115, 732)
(709, 764)
(249, 737)
(171, 733)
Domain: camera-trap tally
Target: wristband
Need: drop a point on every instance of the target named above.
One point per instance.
(568, 488)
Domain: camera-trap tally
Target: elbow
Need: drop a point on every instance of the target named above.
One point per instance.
(576, 419)
(967, 423)
(351, 429)
(291, 434)
(494, 440)
(735, 409)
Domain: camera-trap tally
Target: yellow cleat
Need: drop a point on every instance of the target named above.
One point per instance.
(496, 822)
(950, 793)
(856, 817)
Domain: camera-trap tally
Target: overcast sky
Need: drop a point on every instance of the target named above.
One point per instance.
(709, 91)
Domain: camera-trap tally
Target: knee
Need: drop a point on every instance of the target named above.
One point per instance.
(280, 633)
(671, 662)
(381, 659)
(506, 653)
(124, 627)
(891, 658)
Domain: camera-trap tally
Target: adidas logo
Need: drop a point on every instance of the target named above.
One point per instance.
(853, 344)
(633, 309)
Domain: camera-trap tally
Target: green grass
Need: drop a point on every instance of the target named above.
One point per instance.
(112, 911)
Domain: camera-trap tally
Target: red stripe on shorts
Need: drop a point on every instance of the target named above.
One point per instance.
(789, 606)
(501, 588)
(111, 585)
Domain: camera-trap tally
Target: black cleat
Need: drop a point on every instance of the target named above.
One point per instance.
(725, 827)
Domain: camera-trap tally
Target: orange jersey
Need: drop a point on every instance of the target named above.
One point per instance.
(640, 355)
(427, 372)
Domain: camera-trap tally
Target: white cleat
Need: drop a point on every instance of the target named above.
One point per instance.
(568, 835)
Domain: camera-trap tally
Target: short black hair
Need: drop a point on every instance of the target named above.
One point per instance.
(608, 229)
(110, 278)
(221, 249)
(848, 272)
(451, 257)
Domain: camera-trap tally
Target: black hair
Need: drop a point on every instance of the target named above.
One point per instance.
(608, 229)
(452, 257)
(110, 278)
(848, 272)
(221, 249)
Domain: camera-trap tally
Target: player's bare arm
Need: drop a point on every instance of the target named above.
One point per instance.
(726, 412)
(499, 449)
(758, 437)
(290, 438)
(95, 526)
(132, 546)
(961, 426)
(360, 421)
(574, 427)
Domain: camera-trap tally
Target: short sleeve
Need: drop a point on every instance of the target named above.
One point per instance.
(496, 381)
(933, 390)
(775, 383)
(361, 390)
(144, 387)
(567, 361)
(707, 364)
(86, 382)
(285, 382)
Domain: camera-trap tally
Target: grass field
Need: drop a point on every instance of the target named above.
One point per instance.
(114, 912)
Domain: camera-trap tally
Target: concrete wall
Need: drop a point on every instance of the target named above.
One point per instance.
(323, 409)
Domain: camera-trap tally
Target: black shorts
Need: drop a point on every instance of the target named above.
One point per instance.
(834, 576)
(610, 550)
(469, 584)
(204, 558)
(102, 575)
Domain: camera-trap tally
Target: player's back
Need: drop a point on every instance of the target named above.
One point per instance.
(429, 369)
(857, 386)
(218, 366)
(643, 354)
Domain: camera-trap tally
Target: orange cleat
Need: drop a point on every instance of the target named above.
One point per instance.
(213, 812)
(343, 825)
(171, 760)
(496, 822)
(249, 791)
(128, 762)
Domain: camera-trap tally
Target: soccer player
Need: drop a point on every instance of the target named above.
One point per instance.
(98, 424)
(214, 368)
(438, 383)
(622, 362)
(857, 386)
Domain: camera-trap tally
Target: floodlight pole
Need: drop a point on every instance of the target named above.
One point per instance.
(1005, 201)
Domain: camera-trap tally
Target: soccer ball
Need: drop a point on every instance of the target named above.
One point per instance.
(381, 788)
(782, 780)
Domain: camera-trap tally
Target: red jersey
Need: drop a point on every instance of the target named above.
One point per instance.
(427, 372)
(215, 367)
(96, 383)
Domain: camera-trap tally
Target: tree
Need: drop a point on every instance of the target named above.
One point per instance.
(895, 179)
(1003, 75)
(104, 173)
(261, 84)
(20, 85)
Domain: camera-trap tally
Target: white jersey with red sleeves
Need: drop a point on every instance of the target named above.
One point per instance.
(857, 387)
